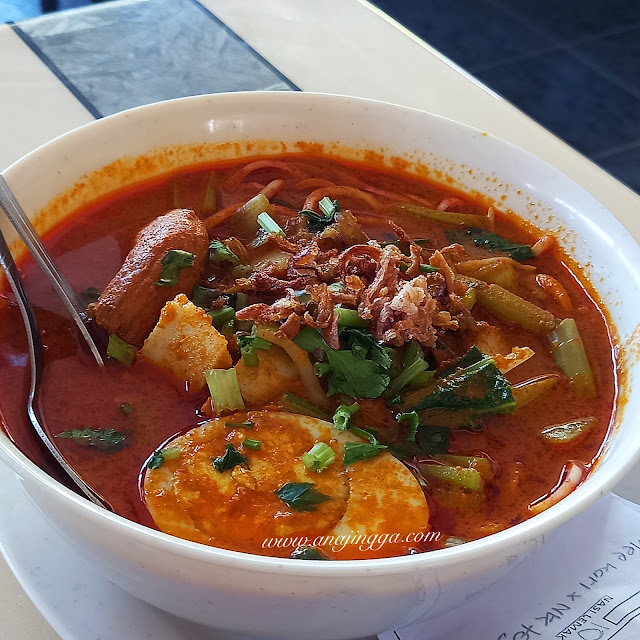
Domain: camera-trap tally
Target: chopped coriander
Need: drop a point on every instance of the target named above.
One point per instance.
(413, 420)
(224, 388)
(121, 350)
(156, 460)
(101, 439)
(356, 451)
(172, 263)
(319, 457)
(252, 444)
(219, 253)
(301, 496)
(231, 458)
(343, 414)
(307, 553)
(249, 344)
(494, 242)
(269, 224)
(247, 424)
(126, 408)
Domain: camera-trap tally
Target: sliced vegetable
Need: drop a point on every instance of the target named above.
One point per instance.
(219, 253)
(270, 225)
(301, 496)
(172, 263)
(248, 346)
(470, 462)
(470, 297)
(534, 388)
(357, 451)
(319, 457)
(498, 271)
(569, 352)
(334, 287)
(445, 217)
(120, 350)
(231, 458)
(413, 420)
(413, 364)
(509, 307)
(568, 431)
(102, 439)
(295, 404)
(474, 384)
(494, 242)
(252, 444)
(343, 414)
(210, 198)
(126, 408)
(461, 476)
(224, 389)
(307, 553)
(349, 318)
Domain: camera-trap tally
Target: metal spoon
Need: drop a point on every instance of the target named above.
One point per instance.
(36, 351)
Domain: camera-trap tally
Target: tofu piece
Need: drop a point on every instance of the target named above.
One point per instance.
(185, 343)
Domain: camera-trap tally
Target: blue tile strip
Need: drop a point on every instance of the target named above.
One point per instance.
(128, 53)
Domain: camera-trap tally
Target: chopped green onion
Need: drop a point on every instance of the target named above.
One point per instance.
(319, 457)
(102, 439)
(172, 263)
(252, 444)
(567, 431)
(569, 352)
(461, 476)
(349, 318)
(343, 414)
(357, 451)
(220, 316)
(247, 215)
(413, 420)
(469, 298)
(231, 459)
(249, 344)
(328, 206)
(269, 224)
(227, 328)
(224, 389)
(210, 199)
(171, 453)
(126, 408)
(307, 553)
(246, 424)
(295, 404)
(301, 496)
(120, 350)
(219, 253)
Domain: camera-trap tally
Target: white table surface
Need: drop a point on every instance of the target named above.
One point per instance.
(371, 56)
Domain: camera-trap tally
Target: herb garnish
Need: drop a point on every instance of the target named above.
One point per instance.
(231, 458)
(343, 414)
(319, 457)
(160, 455)
(248, 345)
(301, 496)
(121, 350)
(494, 242)
(252, 444)
(172, 263)
(412, 418)
(101, 439)
(320, 221)
(356, 451)
(219, 253)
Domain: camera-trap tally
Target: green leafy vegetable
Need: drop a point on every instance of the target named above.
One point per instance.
(307, 553)
(413, 420)
(301, 496)
(203, 297)
(249, 344)
(126, 408)
(295, 404)
(357, 451)
(413, 364)
(343, 414)
(319, 457)
(101, 439)
(121, 350)
(210, 198)
(434, 440)
(172, 263)
(317, 222)
(269, 224)
(246, 424)
(220, 253)
(231, 458)
(494, 242)
(252, 444)
(225, 390)
(474, 385)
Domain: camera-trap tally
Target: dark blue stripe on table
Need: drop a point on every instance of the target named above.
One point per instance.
(125, 54)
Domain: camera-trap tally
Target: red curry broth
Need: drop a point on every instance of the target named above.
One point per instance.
(90, 247)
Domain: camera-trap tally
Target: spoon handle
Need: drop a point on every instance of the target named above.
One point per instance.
(36, 356)
(24, 228)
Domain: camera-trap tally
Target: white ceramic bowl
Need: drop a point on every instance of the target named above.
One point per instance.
(302, 599)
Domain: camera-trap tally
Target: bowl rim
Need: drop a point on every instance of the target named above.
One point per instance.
(596, 485)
